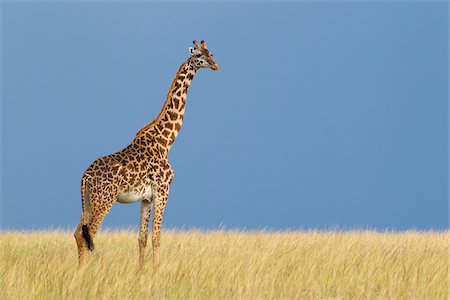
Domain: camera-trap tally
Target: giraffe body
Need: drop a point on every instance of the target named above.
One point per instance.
(141, 172)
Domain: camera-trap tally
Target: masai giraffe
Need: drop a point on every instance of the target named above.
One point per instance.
(141, 172)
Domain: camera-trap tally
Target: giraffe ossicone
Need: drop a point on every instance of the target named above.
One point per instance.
(141, 172)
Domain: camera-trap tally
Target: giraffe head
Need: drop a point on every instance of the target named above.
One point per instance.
(201, 57)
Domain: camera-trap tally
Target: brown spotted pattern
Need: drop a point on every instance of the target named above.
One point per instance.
(142, 169)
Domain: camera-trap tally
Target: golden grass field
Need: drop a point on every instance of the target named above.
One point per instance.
(229, 265)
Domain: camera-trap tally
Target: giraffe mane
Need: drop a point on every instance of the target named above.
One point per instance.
(151, 123)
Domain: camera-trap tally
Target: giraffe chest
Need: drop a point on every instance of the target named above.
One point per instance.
(135, 195)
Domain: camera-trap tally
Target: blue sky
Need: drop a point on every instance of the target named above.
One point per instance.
(328, 114)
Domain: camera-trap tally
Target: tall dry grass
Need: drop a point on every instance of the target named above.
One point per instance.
(229, 265)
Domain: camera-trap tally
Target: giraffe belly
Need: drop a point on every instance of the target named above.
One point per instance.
(129, 198)
(132, 197)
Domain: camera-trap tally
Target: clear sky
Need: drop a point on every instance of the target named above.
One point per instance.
(328, 114)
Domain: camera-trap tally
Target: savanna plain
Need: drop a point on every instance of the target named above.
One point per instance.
(229, 265)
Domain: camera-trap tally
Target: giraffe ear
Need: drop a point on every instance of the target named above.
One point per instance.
(191, 50)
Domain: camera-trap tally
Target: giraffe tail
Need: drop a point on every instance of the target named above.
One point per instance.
(86, 207)
(87, 237)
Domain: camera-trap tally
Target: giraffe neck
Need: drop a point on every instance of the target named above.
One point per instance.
(165, 128)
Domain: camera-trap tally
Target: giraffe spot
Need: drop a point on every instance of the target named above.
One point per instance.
(172, 115)
(176, 88)
(161, 141)
(177, 126)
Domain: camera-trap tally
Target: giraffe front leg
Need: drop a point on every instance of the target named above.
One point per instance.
(160, 204)
(146, 209)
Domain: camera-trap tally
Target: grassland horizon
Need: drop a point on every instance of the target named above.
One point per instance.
(229, 264)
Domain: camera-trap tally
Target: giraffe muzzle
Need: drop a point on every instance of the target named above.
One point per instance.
(215, 67)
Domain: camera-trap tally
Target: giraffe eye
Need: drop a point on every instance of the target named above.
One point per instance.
(198, 55)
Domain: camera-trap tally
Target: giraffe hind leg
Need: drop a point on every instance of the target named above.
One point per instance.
(86, 209)
(81, 243)
(90, 223)
(100, 206)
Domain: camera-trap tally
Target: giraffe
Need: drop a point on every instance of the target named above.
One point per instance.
(141, 172)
